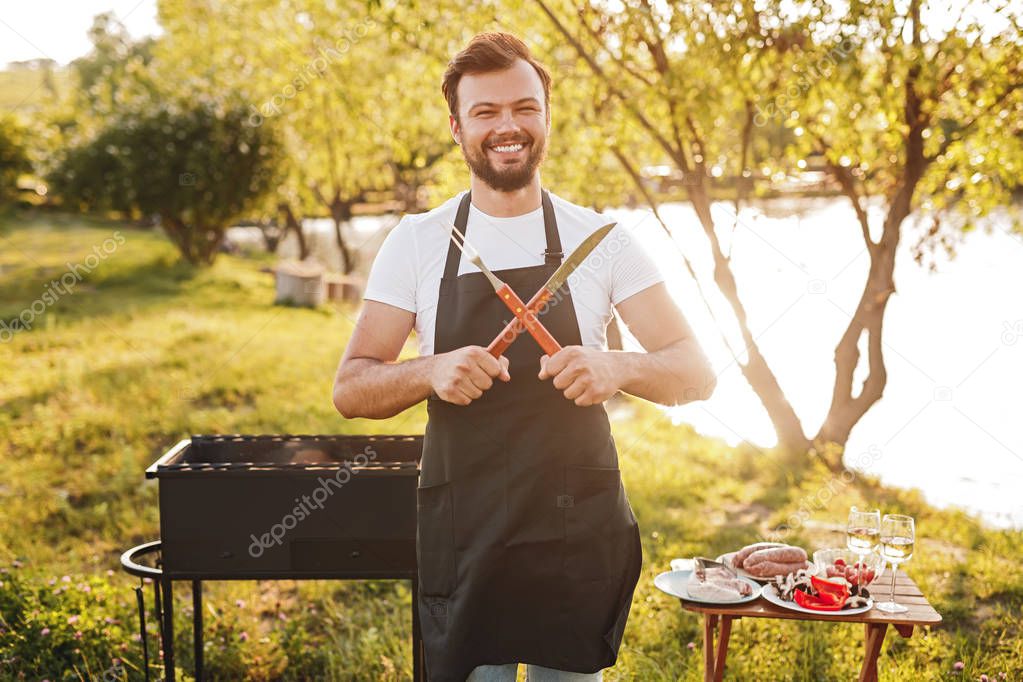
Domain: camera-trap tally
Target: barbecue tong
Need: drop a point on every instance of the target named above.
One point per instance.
(526, 316)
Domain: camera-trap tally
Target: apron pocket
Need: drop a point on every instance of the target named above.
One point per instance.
(596, 518)
(435, 540)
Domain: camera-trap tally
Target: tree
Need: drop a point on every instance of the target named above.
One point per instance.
(324, 79)
(197, 166)
(117, 74)
(291, 224)
(899, 112)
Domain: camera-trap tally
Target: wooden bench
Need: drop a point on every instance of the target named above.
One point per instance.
(718, 619)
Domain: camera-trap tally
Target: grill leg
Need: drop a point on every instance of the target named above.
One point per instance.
(140, 597)
(168, 629)
(197, 627)
(418, 672)
(158, 605)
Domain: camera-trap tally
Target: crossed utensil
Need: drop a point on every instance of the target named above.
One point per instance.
(525, 313)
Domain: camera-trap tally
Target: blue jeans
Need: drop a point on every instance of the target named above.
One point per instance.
(534, 673)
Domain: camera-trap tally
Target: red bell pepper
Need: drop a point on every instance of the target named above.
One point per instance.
(808, 601)
(827, 591)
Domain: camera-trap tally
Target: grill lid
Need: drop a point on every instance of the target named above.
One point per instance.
(241, 453)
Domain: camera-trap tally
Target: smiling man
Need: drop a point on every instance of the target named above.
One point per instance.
(527, 545)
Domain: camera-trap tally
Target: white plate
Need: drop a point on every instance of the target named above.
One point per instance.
(771, 595)
(727, 559)
(674, 583)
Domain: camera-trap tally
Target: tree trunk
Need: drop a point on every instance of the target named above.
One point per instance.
(291, 224)
(272, 235)
(341, 212)
(756, 370)
(208, 244)
(846, 409)
(179, 233)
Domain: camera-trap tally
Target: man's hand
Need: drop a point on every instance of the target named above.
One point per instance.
(460, 376)
(587, 376)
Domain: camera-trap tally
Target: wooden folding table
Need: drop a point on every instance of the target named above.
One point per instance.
(718, 619)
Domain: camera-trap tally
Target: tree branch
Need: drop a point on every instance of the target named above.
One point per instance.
(620, 61)
(609, 84)
(848, 185)
(957, 135)
(637, 180)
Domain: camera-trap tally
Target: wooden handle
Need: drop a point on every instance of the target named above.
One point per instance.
(526, 318)
(512, 330)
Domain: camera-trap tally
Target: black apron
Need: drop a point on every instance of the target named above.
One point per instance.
(528, 549)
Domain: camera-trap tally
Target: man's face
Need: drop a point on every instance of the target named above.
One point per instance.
(502, 125)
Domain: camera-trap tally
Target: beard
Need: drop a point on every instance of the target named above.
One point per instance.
(506, 177)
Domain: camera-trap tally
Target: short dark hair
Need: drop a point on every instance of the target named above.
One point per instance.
(486, 52)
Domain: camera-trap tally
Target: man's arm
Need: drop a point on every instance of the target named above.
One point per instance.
(673, 371)
(371, 383)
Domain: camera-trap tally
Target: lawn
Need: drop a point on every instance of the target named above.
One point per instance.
(145, 350)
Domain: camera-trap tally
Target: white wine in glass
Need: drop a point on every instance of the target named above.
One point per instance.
(863, 531)
(897, 538)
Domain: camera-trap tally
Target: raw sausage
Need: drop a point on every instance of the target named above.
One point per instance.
(786, 554)
(769, 569)
(741, 555)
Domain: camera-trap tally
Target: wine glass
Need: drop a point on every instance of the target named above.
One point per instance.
(862, 533)
(897, 537)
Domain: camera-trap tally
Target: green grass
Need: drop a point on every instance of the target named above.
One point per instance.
(146, 351)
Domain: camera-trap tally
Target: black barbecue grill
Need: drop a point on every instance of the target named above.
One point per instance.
(285, 507)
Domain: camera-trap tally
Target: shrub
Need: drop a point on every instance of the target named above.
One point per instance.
(197, 167)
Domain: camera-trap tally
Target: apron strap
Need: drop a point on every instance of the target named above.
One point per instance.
(462, 223)
(551, 256)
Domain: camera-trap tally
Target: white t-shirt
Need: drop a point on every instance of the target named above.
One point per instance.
(409, 266)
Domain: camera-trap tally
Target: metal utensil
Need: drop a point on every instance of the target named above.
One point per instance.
(503, 340)
(701, 564)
